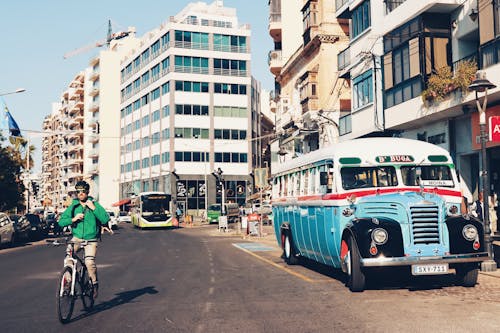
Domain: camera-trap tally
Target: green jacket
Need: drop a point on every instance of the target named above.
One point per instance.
(86, 229)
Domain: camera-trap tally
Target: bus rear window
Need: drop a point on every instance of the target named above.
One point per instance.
(431, 175)
(363, 177)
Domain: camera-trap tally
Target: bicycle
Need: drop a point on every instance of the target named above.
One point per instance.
(74, 282)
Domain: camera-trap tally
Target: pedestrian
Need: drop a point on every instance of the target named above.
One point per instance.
(478, 206)
(86, 216)
(493, 213)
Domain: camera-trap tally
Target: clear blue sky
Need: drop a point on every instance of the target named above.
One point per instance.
(36, 34)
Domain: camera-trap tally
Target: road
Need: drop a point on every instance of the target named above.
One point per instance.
(199, 280)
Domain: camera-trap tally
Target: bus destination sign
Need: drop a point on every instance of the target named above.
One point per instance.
(395, 159)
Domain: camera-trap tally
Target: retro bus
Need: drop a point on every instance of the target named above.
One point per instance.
(151, 210)
(376, 203)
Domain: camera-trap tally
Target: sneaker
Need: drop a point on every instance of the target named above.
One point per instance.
(96, 290)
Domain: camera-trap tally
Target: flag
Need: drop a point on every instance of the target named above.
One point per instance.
(13, 127)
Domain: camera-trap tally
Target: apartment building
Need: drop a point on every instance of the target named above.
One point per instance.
(310, 97)
(81, 138)
(409, 64)
(62, 144)
(186, 109)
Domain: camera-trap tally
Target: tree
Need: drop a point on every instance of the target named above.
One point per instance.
(11, 195)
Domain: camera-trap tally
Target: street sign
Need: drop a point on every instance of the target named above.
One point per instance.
(494, 129)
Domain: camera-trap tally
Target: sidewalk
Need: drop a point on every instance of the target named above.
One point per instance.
(268, 237)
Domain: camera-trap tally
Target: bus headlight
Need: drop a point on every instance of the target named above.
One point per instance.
(380, 236)
(469, 232)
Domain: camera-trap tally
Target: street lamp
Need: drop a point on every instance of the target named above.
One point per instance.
(481, 84)
(19, 90)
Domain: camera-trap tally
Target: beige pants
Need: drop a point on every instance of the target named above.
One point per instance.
(90, 251)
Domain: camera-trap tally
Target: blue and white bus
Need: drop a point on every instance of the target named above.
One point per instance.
(151, 210)
(376, 202)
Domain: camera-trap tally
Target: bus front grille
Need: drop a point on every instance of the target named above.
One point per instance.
(425, 224)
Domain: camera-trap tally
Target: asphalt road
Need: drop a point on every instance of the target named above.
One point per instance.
(199, 280)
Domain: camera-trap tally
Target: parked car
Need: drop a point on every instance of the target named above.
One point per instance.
(124, 217)
(52, 225)
(6, 230)
(38, 228)
(21, 228)
(113, 220)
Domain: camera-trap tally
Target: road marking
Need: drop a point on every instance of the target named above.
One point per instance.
(289, 271)
(253, 247)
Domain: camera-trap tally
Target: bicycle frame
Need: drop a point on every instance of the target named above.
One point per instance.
(72, 260)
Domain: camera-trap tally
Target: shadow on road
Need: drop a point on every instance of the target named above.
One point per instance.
(386, 279)
(119, 299)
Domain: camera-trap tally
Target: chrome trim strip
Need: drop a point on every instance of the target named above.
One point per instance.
(407, 261)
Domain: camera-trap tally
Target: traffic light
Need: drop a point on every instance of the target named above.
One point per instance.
(35, 187)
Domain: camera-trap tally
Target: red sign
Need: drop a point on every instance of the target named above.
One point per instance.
(494, 129)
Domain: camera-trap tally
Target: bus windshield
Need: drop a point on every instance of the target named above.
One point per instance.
(431, 175)
(154, 204)
(363, 177)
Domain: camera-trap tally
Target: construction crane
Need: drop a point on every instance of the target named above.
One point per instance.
(111, 36)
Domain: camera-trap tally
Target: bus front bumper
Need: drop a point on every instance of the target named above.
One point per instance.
(407, 261)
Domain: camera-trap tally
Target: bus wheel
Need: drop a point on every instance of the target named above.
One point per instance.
(356, 277)
(289, 251)
(466, 275)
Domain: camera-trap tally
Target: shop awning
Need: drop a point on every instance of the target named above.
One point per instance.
(121, 202)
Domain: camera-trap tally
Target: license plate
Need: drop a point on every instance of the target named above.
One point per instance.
(430, 269)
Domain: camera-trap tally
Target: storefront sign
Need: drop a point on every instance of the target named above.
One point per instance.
(494, 129)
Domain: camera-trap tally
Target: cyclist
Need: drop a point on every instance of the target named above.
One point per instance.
(86, 217)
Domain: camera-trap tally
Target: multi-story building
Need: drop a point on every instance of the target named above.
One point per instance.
(410, 63)
(102, 121)
(62, 144)
(310, 98)
(81, 135)
(186, 109)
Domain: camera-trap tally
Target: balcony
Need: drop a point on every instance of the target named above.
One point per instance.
(94, 107)
(94, 170)
(309, 104)
(275, 62)
(93, 153)
(94, 92)
(275, 26)
(344, 60)
(94, 76)
(94, 138)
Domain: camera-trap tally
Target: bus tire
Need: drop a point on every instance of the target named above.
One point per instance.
(289, 251)
(355, 275)
(466, 275)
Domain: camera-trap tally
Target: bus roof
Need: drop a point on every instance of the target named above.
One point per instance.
(369, 151)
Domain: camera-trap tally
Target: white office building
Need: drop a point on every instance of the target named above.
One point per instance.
(186, 109)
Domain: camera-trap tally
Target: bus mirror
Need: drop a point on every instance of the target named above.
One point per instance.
(323, 178)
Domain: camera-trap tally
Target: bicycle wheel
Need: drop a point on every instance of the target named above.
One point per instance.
(87, 288)
(65, 301)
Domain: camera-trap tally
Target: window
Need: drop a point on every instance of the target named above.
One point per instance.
(360, 19)
(165, 39)
(390, 5)
(190, 86)
(155, 94)
(366, 177)
(165, 64)
(229, 43)
(362, 89)
(165, 88)
(194, 40)
(233, 89)
(155, 116)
